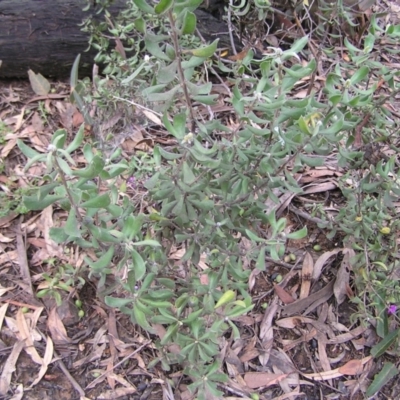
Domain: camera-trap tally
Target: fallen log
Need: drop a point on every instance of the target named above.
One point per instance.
(45, 36)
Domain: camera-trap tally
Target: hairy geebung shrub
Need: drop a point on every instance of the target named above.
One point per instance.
(210, 193)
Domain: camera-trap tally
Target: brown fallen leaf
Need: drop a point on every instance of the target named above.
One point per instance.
(340, 288)
(311, 302)
(255, 380)
(9, 367)
(293, 322)
(48, 356)
(306, 275)
(320, 263)
(285, 297)
(352, 367)
(26, 333)
(335, 373)
(57, 329)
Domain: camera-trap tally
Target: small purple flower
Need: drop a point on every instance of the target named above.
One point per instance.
(392, 309)
(131, 182)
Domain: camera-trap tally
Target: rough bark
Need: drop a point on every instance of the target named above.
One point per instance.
(45, 36)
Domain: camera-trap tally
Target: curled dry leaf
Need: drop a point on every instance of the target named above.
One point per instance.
(40, 85)
(267, 332)
(57, 329)
(48, 356)
(9, 367)
(319, 264)
(25, 333)
(340, 289)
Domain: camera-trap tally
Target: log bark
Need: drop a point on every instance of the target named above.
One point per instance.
(45, 36)
(41, 35)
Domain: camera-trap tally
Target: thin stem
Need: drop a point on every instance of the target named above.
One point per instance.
(175, 40)
(64, 182)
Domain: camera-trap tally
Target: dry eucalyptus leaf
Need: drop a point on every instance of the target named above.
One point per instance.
(306, 276)
(255, 380)
(40, 85)
(285, 297)
(343, 276)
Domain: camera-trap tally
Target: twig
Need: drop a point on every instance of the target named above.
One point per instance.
(74, 383)
(64, 369)
(93, 383)
(308, 217)
(230, 28)
(69, 195)
(23, 260)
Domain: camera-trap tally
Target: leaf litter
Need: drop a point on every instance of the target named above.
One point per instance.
(104, 353)
(294, 348)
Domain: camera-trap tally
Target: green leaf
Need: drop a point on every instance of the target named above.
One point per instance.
(169, 73)
(189, 5)
(142, 5)
(147, 242)
(132, 226)
(312, 161)
(208, 100)
(300, 234)
(189, 23)
(235, 331)
(75, 73)
(64, 166)
(58, 235)
(381, 347)
(88, 152)
(141, 319)
(102, 234)
(388, 372)
(163, 6)
(93, 170)
(27, 151)
(253, 237)
(32, 203)
(226, 298)
(260, 264)
(206, 51)
(153, 48)
(104, 261)
(97, 202)
(77, 140)
(58, 138)
(170, 333)
(188, 175)
(71, 226)
(139, 266)
(44, 190)
(298, 45)
(303, 125)
(117, 302)
(169, 156)
(147, 281)
(359, 75)
(350, 47)
(131, 77)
